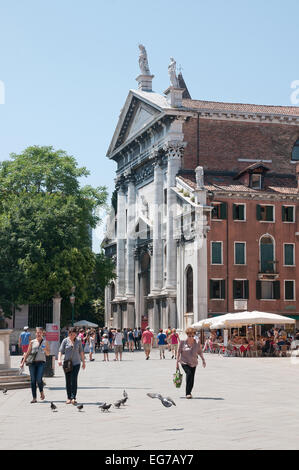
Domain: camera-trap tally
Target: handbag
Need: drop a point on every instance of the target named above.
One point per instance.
(178, 378)
(31, 357)
(68, 363)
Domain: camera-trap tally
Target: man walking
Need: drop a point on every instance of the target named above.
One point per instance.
(147, 341)
(24, 340)
(118, 344)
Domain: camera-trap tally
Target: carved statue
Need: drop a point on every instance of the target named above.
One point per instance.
(172, 73)
(143, 62)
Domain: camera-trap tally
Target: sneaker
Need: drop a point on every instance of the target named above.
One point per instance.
(188, 396)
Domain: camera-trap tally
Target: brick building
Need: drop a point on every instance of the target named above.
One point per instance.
(207, 208)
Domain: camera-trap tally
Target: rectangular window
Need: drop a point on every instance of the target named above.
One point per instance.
(241, 289)
(289, 258)
(240, 255)
(288, 213)
(265, 213)
(216, 252)
(219, 211)
(217, 289)
(268, 290)
(289, 290)
(256, 181)
(239, 212)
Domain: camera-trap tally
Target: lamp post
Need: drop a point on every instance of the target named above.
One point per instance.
(72, 300)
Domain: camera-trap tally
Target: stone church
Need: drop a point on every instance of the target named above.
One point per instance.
(158, 231)
(192, 180)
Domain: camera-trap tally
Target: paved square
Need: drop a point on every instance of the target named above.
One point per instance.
(250, 403)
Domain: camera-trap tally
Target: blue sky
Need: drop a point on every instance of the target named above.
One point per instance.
(67, 65)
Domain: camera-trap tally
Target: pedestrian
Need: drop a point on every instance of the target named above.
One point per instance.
(38, 350)
(147, 341)
(162, 344)
(135, 333)
(125, 338)
(72, 349)
(105, 346)
(118, 344)
(168, 333)
(92, 342)
(131, 340)
(24, 340)
(139, 338)
(174, 342)
(188, 353)
(110, 337)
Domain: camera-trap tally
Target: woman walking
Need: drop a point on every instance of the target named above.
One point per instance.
(174, 341)
(38, 350)
(188, 352)
(92, 342)
(72, 349)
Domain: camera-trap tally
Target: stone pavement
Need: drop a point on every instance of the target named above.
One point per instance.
(250, 403)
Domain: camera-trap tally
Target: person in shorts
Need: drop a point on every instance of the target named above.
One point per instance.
(24, 340)
(174, 342)
(118, 344)
(147, 341)
(162, 344)
(105, 346)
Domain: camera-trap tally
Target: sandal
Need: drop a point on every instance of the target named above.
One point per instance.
(68, 402)
(42, 396)
(34, 400)
(74, 402)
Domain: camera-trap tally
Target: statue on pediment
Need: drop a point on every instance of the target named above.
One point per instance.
(172, 73)
(143, 62)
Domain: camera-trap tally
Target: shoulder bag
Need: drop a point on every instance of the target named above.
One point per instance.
(68, 363)
(31, 357)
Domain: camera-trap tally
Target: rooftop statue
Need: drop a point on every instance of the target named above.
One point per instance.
(172, 73)
(143, 62)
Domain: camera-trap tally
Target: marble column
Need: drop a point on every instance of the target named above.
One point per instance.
(120, 242)
(157, 259)
(4, 349)
(174, 153)
(130, 261)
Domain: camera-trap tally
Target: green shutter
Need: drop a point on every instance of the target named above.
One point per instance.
(223, 210)
(258, 290)
(240, 253)
(211, 289)
(258, 212)
(216, 253)
(235, 212)
(222, 295)
(246, 289)
(276, 285)
(234, 289)
(289, 254)
(269, 213)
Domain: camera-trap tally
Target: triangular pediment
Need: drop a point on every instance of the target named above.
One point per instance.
(139, 111)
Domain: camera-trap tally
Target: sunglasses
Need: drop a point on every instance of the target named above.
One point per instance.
(191, 335)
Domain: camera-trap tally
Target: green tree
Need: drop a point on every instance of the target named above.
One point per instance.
(45, 224)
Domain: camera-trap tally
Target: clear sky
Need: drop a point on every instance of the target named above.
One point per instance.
(67, 65)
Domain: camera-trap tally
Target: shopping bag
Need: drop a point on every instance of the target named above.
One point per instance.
(177, 378)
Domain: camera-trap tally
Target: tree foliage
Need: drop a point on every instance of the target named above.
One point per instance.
(45, 227)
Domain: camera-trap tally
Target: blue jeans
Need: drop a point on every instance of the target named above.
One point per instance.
(36, 375)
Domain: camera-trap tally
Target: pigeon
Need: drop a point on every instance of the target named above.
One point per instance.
(125, 394)
(117, 404)
(4, 390)
(80, 407)
(166, 401)
(105, 407)
(123, 400)
(53, 407)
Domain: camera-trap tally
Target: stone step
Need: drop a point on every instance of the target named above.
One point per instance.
(7, 372)
(14, 378)
(14, 385)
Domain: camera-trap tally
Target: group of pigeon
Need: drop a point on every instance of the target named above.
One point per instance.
(166, 401)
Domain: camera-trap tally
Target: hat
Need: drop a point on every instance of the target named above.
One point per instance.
(147, 328)
(26, 327)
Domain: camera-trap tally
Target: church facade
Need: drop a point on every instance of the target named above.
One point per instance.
(175, 158)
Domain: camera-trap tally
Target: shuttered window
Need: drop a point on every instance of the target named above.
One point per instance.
(239, 211)
(288, 213)
(217, 289)
(240, 253)
(241, 289)
(219, 211)
(265, 213)
(289, 259)
(289, 290)
(216, 252)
